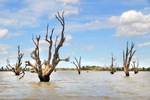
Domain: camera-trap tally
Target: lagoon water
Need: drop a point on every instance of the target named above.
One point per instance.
(68, 85)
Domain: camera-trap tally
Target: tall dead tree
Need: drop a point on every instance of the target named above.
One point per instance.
(112, 65)
(17, 69)
(78, 64)
(135, 66)
(52, 60)
(127, 57)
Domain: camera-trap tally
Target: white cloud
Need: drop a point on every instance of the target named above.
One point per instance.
(3, 33)
(147, 8)
(32, 10)
(131, 23)
(69, 1)
(70, 9)
(68, 37)
(88, 47)
(4, 49)
(14, 34)
(144, 44)
(92, 25)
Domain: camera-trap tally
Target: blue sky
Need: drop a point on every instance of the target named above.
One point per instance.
(94, 29)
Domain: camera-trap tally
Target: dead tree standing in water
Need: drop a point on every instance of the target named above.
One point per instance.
(127, 57)
(17, 69)
(112, 65)
(135, 66)
(50, 63)
(78, 64)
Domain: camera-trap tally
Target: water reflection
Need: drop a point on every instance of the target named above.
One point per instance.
(70, 85)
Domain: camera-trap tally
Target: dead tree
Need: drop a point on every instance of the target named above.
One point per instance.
(112, 65)
(52, 60)
(127, 57)
(135, 66)
(78, 65)
(17, 69)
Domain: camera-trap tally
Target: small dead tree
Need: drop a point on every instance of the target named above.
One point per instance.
(127, 57)
(50, 63)
(135, 66)
(112, 65)
(77, 64)
(17, 69)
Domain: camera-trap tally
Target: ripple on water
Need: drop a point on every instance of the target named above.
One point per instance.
(71, 86)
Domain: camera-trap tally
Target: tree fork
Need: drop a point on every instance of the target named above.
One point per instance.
(127, 57)
(52, 61)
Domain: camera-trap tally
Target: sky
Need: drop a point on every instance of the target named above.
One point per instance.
(94, 29)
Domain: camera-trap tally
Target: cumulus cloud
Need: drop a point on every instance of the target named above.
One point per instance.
(144, 44)
(131, 23)
(3, 33)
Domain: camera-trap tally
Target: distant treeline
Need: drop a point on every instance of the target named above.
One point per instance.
(93, 68)
(99, 68)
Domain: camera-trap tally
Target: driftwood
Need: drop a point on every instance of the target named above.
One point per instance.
(52, 60)
(127, 57)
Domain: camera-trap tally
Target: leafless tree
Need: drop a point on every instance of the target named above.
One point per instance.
(112, 65)
(135, 66)
(78, 64)
(127, 57)
(17, 69)
(52, 60)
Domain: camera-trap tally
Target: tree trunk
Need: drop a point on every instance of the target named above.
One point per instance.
(126, 70)
(44, 78)
(79, 72)
(136, 71)
(112, 72)
(17, 73)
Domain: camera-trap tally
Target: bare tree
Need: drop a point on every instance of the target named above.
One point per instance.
(78, 64)
(52, 61)
(135, 66)
(127, 57)
(17, 69)
(112, 65)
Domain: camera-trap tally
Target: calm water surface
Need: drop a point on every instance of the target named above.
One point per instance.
(68, 85)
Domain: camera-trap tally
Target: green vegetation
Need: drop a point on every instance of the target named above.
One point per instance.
(99, 68)
(91, 68)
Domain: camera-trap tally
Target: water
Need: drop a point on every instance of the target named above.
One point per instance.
(68, 85)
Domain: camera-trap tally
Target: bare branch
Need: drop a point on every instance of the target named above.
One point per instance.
(33, 66)
(47, 32)
(50, 41)
(127, 58)
(56, 41)
(23, 73)
(20, 55)
(62, 39)
(77, 64)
